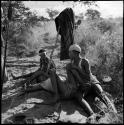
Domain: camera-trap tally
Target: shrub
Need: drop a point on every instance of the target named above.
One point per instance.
(105, 50)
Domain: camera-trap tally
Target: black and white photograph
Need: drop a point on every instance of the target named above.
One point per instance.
(61, 62)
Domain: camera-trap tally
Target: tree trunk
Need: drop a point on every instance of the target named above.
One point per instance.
(2, 61)
(5, 73)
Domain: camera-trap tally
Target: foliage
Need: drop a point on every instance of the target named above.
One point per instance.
(92, 14)
(89, 3)
(22, 20)
(81, 15)
(105, 50)
(86, 3)
(43, 18)
(105, 26)
(52, 13)
(102, 39)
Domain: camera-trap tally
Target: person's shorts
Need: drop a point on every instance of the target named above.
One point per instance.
(92, 90)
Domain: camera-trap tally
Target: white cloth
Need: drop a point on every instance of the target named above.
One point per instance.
(75, 47)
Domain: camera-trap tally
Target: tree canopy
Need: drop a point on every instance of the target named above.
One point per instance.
(22, 20)
(52, 13)
(92, 14)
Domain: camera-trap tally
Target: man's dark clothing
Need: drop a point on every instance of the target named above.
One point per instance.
(44, 63)
(65, 21)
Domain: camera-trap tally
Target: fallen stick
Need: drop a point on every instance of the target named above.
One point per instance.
(20, 61)
(14, 65)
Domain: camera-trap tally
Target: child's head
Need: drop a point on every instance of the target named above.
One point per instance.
(42, 53)
(74, 51)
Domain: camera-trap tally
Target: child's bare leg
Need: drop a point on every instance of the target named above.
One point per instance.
(84, 104)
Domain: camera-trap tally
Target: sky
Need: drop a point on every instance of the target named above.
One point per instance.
(107, 8)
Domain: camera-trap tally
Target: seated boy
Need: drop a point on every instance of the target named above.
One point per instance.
(42, 73)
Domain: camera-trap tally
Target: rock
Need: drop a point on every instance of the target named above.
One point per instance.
(76, 117)
(107, 79)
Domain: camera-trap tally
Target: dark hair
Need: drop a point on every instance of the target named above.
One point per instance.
(76, 52)
(42, 50)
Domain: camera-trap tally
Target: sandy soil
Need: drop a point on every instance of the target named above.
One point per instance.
(36, 105)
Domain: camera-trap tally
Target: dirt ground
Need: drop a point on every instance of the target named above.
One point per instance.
(36, 105)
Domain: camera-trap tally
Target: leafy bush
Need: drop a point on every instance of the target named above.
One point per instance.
(19, 42)
(105, 50)
(105, 26)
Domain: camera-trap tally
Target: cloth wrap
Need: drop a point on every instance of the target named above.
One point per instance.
(65, 20)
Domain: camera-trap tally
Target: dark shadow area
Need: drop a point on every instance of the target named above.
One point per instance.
(70, 106)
